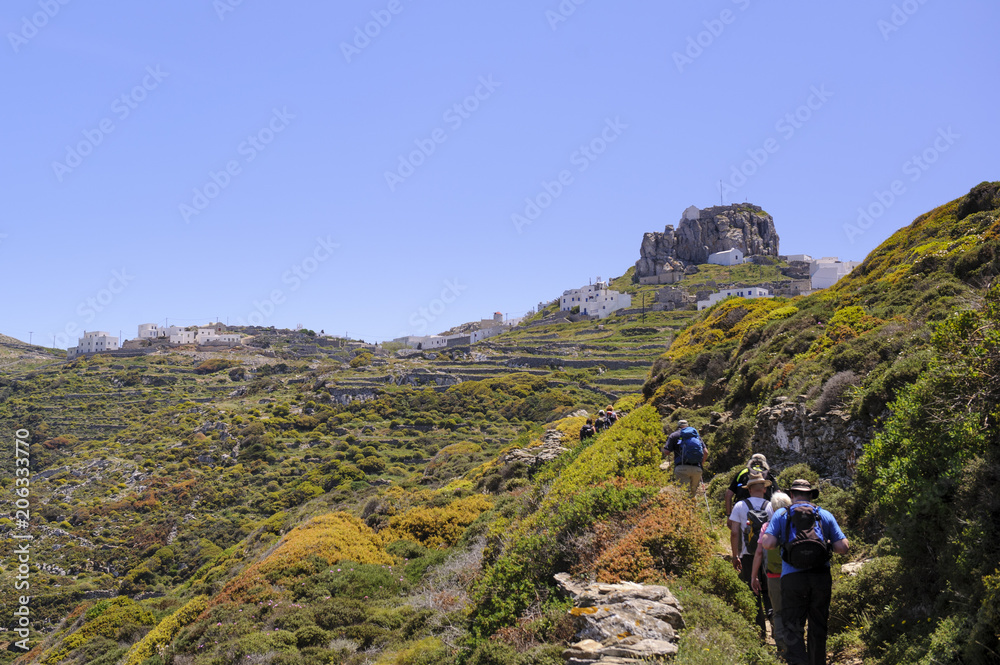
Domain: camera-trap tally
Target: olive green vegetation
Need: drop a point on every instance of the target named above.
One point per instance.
(247, 512)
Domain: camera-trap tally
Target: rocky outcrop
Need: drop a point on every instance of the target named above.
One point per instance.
(667, 255)
(622, 623)
(789, 433)
(550, 449)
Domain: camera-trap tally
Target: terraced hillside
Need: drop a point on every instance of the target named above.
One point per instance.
(301, 501)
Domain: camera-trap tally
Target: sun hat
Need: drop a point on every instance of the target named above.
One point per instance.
(758, 464)
(682, 423)
(758, 479)
(802, 486)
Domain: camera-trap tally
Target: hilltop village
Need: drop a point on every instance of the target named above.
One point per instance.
(723, 236)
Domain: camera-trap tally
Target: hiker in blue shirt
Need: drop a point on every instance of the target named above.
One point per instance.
(806, 534)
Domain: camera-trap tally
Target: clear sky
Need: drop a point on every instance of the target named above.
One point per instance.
(271, 162)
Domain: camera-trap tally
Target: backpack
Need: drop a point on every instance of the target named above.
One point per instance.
(690, 448)
(756, 519)
(804, 545)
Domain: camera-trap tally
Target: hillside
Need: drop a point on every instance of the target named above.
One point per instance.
(307, 502)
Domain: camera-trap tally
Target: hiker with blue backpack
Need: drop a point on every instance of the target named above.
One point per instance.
(690, 455)
(746, 526)
(806, 534)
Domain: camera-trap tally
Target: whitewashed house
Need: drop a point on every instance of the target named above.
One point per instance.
(827, 271)
(730, 257)
(595, 300)
(739, 292)
(181, 335)
(92, 342)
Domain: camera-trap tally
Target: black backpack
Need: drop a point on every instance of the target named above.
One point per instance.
(804, 546)
(756, 519)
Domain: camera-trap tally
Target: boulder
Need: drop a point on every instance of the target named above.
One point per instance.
(622, 623)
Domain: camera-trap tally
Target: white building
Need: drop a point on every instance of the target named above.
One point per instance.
(425, 342)
(181, 335)
(827, 271)
(739, 292)
(595, 300)
(92, 342)
(692, 213)
(805, 258)
(730, 257)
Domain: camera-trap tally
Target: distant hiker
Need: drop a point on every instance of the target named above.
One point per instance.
(690, 454)
(611, 415)
(746, 526)
(806, 535)
(587, 430)
(602, 421)
(770, 561)
(737, 490)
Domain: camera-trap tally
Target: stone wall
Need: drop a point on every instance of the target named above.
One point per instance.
(788, 433)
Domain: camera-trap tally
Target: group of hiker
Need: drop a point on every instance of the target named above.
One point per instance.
(605, 419)
(781, 545)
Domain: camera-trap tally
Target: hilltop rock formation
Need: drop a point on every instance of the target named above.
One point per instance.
(663, 257)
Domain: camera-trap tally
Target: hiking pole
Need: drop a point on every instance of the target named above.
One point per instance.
(708, 511)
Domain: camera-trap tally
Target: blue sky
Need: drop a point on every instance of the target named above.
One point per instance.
(274, 163)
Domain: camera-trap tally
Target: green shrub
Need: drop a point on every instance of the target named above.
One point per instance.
(716, 634)
(865, 594)
(311, 635)
(722, 580)
(795, 472)
(165, 631)
(493, 653)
